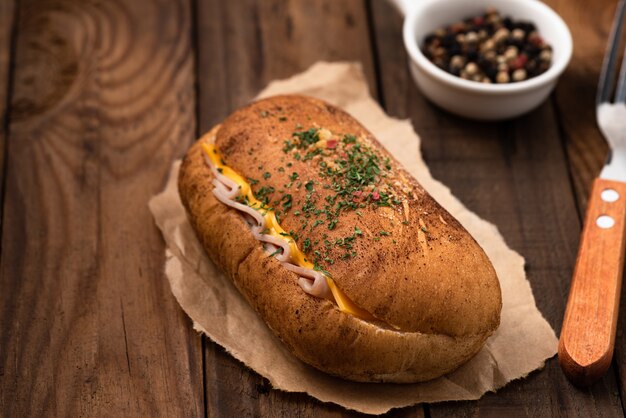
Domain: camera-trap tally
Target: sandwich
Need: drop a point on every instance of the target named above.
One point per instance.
(347, 259)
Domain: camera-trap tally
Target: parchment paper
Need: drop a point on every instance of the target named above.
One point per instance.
(521, 344)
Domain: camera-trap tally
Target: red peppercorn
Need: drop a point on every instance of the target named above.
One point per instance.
(457, 27)
(519, 62)
(535, 39)
(488, 48)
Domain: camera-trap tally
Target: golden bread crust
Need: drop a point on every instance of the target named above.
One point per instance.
(428, 277)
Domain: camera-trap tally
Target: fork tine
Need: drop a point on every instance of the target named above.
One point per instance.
(620, 94)
(607, 76)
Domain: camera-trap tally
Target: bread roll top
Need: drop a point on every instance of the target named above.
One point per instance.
(360, 217)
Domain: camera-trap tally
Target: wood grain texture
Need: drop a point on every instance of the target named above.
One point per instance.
(515, 175)
(588, 334)
(7, 22)
(242, 46)
(102, 102)
(590, 24)
(575, 100)
(245, 44)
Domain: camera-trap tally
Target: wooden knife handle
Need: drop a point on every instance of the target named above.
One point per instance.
(588, 334)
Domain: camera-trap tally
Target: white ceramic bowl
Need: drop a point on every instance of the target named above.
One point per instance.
(470, 98)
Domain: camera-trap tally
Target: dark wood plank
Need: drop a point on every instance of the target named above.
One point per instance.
(515, 175)
(234, 388)
(590, 23)
(243, 45)
(575, 100)
(7, 18)
(103, 100)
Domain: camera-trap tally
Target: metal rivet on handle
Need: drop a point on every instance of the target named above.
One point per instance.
(609, 195)
(605, 221)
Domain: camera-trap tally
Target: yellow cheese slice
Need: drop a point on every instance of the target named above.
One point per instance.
(298, 257)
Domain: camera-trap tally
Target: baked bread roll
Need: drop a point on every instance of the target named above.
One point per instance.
(349, 261)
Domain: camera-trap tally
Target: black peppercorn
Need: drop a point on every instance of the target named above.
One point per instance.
(489, 48)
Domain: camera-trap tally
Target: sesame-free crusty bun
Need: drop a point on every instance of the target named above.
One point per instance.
(426, 295)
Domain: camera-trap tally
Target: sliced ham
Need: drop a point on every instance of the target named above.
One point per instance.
(226, 191)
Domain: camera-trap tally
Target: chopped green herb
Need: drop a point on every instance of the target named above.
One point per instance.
(307, 137)
(349, 139)
(317, 267)
(309, 155)
(263, 194)
(286, 199)
(267, 175)
(278, 251)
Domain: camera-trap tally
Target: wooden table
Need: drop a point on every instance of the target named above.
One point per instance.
(97, 98)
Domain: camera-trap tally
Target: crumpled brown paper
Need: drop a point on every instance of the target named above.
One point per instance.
(521, 344)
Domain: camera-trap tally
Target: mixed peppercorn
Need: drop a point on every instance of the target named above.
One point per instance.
(355, 174)
(489, 48)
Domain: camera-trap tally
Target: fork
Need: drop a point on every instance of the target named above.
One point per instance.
(588, 334)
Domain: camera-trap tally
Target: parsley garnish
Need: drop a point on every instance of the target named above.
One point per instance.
(278, 251)
(286, 199)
